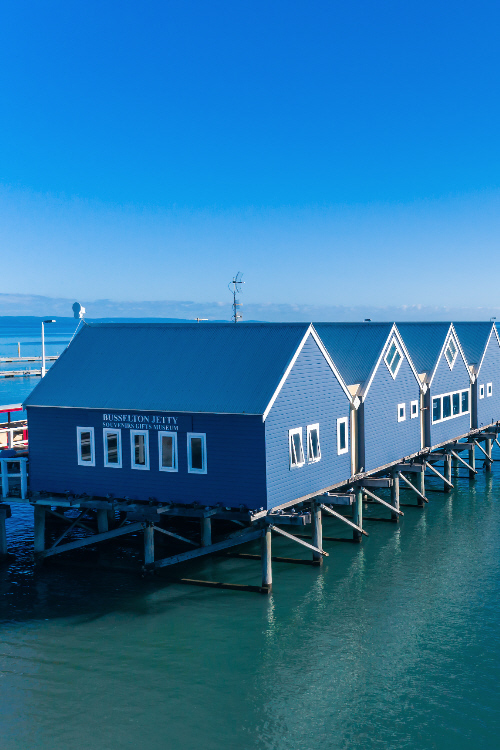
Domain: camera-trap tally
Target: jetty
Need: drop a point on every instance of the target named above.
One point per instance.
(220, 435)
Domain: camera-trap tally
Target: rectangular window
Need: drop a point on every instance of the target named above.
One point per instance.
(465, 401)
(481, 391)
(313, 449)
(86, 447)
(401, 412)
(112, 448)
(456, 404)
(489, 389)
(167, 450)
(139, 446)
(451, 353)
(446, 406)
(295, 447)
(414, 409)
(436, 409)
(393, 358)
(342, 435)
(197, 452)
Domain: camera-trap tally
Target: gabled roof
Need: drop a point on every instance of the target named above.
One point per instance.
(354, 347)
(426, 342)
(199, 367)
(474, 338)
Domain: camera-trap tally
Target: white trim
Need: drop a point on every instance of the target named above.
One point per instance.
(311, 428)
(481, 391)
(453, 342)
(413, 404)
(295, 464)
(451, 329)
(393, 332)
(331, 363)
(174, 466)
(79, 431)
(493, 328)
(401, 357)
(401, 417)
(489, 389)
(112, 431)
(345, 421)
(441, 396)
(203, 437)
(133, 465)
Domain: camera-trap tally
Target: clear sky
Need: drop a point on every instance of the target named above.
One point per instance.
(332, 151)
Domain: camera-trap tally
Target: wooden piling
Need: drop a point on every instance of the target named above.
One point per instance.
(206, 532)
(357, 514)
(472, 462)
(317, 532)
(102, 521)
(447, 472)
(39, 518)
(420, 482)
(488, 445)
(267, 566)
(149, 544)
(395, 496)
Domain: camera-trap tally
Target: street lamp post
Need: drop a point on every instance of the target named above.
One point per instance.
(43, 345)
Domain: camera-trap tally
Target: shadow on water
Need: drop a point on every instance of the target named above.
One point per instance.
(392, 643)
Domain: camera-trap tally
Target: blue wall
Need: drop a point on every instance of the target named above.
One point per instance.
(310, 394)
(235, 460)
(446, 380)
(386, 439)
(488, 409)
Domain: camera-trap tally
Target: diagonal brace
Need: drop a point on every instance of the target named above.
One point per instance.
(455, 455)
(344, 519)
(482, 449)
(63, 518)
(431, 467)
(68, 529)
(296, 539)
(412, 486)
(176, 536)
(383, 502)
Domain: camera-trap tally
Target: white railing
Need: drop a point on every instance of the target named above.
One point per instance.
(21, 474)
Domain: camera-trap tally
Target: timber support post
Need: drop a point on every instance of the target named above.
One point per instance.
(267, 566)
(206, 531)
(317, 532)
(395, 495)
(447, 471)
(149, 544)
(102, 521)
(357, 513)
(420, 487)
(488, 444)
(472, 462)
(39, 518)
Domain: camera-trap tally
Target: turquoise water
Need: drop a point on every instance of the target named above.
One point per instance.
(394, 643)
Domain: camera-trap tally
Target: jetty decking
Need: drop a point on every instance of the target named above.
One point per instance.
(321, 421)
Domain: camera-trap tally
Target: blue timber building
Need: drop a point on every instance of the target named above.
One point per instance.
(438, 355)
(253, 415)
(481, 345)
(383, 381)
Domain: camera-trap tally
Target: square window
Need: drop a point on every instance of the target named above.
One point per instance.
(167, 451)
(197, 452)
(414, 409)
(112, 448)
(489, 389)
(295, 448)
(393, 358)
(436, 409)
(446, 406)
(313, 447)
(465, 401)
(481, 391)
(139, 448)
(451, 352)
(456, 404)
(86, 447)
(401, 412)
(342, 435)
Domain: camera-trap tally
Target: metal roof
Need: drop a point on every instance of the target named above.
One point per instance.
(473, 337)
(354, 347)
(200, 367)
(424, 342)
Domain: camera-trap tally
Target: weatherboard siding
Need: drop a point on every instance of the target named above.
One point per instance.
(235, 460)
(311, 394)
(488, 408)
(385, 439)
(445, 381)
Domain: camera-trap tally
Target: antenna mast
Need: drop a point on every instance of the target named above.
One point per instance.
(234, 287)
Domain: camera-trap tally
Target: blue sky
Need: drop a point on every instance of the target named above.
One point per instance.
(331, 151)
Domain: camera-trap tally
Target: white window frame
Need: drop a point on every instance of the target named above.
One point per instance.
(489, 389)
(173, 435)
(112, 431)
(452, 416)
(401, 357)
(203, 437)
(79, 431)
(344, 420)
(133, 465)
(414, 404)
(402, 418)
(481, 391)
(295, 431)
(310, 428)
(455, 344)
